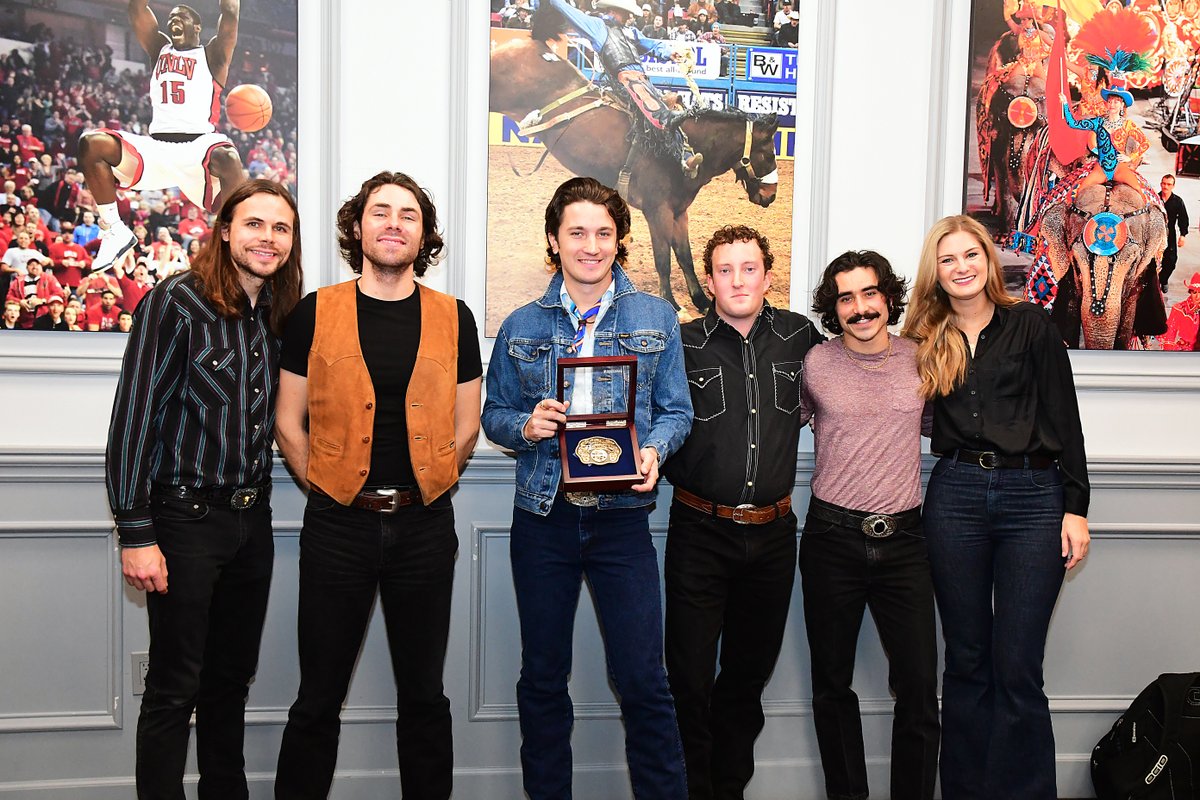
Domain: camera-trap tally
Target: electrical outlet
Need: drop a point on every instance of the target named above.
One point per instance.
(140, 665)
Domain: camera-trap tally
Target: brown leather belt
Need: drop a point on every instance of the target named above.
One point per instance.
(744, 514)
(993, 460)
(383, 501)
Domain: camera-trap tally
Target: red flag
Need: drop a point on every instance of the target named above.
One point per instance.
(1067, 143)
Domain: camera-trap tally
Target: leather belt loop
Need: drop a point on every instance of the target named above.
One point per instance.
(744, 514)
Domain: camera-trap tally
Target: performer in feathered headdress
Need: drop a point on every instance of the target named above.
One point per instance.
(1116, 41)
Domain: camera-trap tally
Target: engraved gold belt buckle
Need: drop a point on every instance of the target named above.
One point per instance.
(597, 451)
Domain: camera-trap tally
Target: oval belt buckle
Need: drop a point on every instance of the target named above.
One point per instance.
(739, 513)
(879, 526)
(243, 499)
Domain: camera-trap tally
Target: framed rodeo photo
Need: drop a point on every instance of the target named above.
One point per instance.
(127, 125)
(693, 122)
(1082, 158)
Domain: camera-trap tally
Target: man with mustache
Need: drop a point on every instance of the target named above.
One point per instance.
(731, 544)
(378, 413)
(862, 543)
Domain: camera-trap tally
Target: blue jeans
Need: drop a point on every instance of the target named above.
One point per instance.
(204, 638)
(550, 557)
(346, 556)
(995, 550)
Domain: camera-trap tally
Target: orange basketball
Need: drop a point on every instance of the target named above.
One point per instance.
(248, 107)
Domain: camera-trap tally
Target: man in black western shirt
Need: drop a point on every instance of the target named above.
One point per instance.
(189, 479)
(731, 544)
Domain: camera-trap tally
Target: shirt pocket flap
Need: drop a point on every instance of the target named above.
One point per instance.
(704, 377)
(528, 351)
(644, 341)
(707, 386)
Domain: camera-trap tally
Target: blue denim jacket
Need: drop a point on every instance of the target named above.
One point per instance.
(522, 369)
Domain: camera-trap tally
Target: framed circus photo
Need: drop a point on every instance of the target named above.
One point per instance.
(1081, 155)
(123, 126)
(689, 110)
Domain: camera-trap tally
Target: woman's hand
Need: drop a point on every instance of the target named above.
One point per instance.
(1075, 539)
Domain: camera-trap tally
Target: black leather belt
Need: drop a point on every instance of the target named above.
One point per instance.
(877, 526)
(238, 498)
(989, 459)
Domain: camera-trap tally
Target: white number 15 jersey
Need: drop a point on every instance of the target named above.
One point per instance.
(185, 96)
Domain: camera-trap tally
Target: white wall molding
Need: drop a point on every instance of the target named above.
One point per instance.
(105, 712)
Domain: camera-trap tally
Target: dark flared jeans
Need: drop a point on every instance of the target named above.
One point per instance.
(204, 638)
(346, 556)
(843, 572)
(996, 553)
(551, 556)
(731, 584)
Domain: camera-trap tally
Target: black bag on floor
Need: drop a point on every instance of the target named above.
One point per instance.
(1153, 749)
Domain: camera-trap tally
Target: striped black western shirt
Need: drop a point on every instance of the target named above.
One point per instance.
(195, 403)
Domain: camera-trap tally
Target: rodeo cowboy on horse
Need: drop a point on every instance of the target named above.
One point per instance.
(619, 46)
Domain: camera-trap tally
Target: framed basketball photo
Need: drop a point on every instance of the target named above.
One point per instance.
(128, 130)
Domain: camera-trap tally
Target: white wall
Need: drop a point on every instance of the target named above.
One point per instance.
(401, 84)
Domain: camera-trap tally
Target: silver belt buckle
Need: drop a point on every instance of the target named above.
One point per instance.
(391, 495)
(582, 499)
(242, 499)
(879, 526)
(989, 460)
(738, 518)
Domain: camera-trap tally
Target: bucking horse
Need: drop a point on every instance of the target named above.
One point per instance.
(590, 133)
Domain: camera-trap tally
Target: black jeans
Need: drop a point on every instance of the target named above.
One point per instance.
(842, 571)
(1170, 258)
(204, 638)
(346, 555)
(733, 583)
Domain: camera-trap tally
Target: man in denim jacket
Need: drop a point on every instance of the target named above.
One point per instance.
(589, 308)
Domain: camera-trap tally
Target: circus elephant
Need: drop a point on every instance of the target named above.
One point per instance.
(1009, 114)
(1010, 110)
(1099, 293)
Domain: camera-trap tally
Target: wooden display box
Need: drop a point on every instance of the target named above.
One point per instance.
(599, 452)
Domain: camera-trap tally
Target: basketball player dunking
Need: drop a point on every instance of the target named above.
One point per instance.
(183, 148)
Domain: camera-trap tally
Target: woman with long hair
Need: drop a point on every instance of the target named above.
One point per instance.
(1005, 511)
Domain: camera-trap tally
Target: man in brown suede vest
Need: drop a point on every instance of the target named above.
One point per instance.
(378, 412)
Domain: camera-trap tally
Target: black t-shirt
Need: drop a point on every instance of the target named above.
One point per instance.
(389, 333)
